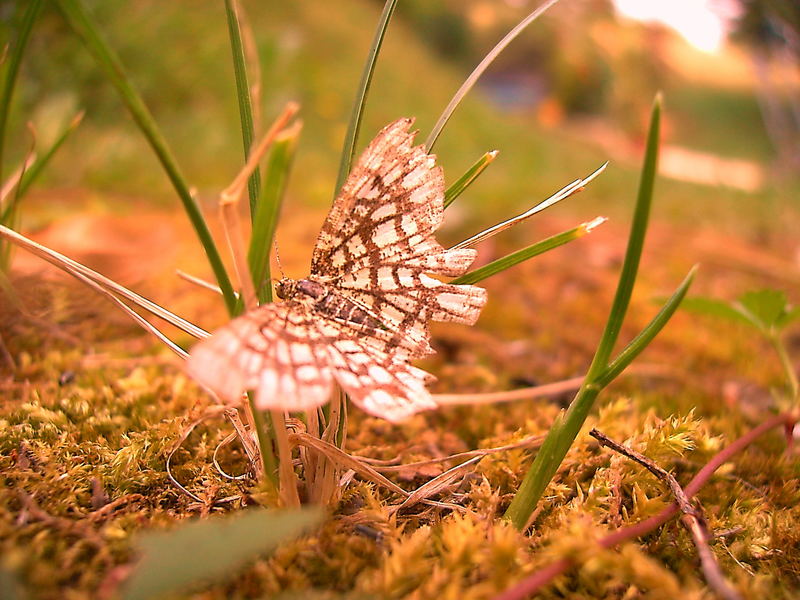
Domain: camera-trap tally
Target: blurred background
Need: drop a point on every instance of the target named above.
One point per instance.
(573, 91)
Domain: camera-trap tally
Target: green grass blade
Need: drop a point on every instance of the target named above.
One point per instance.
(508, 261)
(16, 50)
(567, 426)
(243, 96)
(210, 549)
(39, 165)
(484, 64)
(81, 21)
(264, 437)
(641, 341)
(463, 182)
(357, 113)
(633, 254)
(268, 209)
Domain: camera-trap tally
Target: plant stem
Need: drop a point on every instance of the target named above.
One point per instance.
(786, 363)
(533, 583)
(567, 425)
(264, 441)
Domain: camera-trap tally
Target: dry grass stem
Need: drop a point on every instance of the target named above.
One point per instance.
(439, 484)
(199, 281)
(529, 393)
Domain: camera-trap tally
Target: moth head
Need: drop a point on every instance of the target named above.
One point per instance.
(285, 288)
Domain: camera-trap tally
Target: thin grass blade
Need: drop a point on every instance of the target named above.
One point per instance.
(633, 253)
(276, 176)
(565, 192)
(641, 341)
(567, 425)
(463, 182)
(81, 21)
(232, 11)
(357, 113)
(484, 64)
(16, 51)
(510, 260)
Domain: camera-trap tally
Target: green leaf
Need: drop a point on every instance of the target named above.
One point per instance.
(633, 253)
(714, 308)
(36, 169)
(765, 308)
(641, 341)
(211, 549)
(567, 425)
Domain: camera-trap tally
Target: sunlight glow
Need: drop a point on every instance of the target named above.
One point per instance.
(695, 20)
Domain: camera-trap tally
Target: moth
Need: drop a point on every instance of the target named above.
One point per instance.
(362, 313)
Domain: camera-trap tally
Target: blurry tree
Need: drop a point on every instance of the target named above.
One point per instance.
(771, 29)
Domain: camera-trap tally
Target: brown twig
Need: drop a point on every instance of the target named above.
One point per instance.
(533, 583)
(692, 518)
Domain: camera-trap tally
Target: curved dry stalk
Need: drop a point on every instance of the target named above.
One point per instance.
(436, 485)
(529, 393)
(228, 439)
(207, 414)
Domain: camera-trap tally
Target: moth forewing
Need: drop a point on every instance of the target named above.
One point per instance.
(363, 311)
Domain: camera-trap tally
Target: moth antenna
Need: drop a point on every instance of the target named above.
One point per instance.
(278, 259)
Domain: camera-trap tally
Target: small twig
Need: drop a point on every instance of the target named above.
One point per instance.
(537, 580)
(112, 506)
(692, 518)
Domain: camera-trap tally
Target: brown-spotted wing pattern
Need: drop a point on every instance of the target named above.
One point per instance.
(363, 311)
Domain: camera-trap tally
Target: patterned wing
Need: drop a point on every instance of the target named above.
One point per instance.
(290, 356)
(377, 244)
(274, 350)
